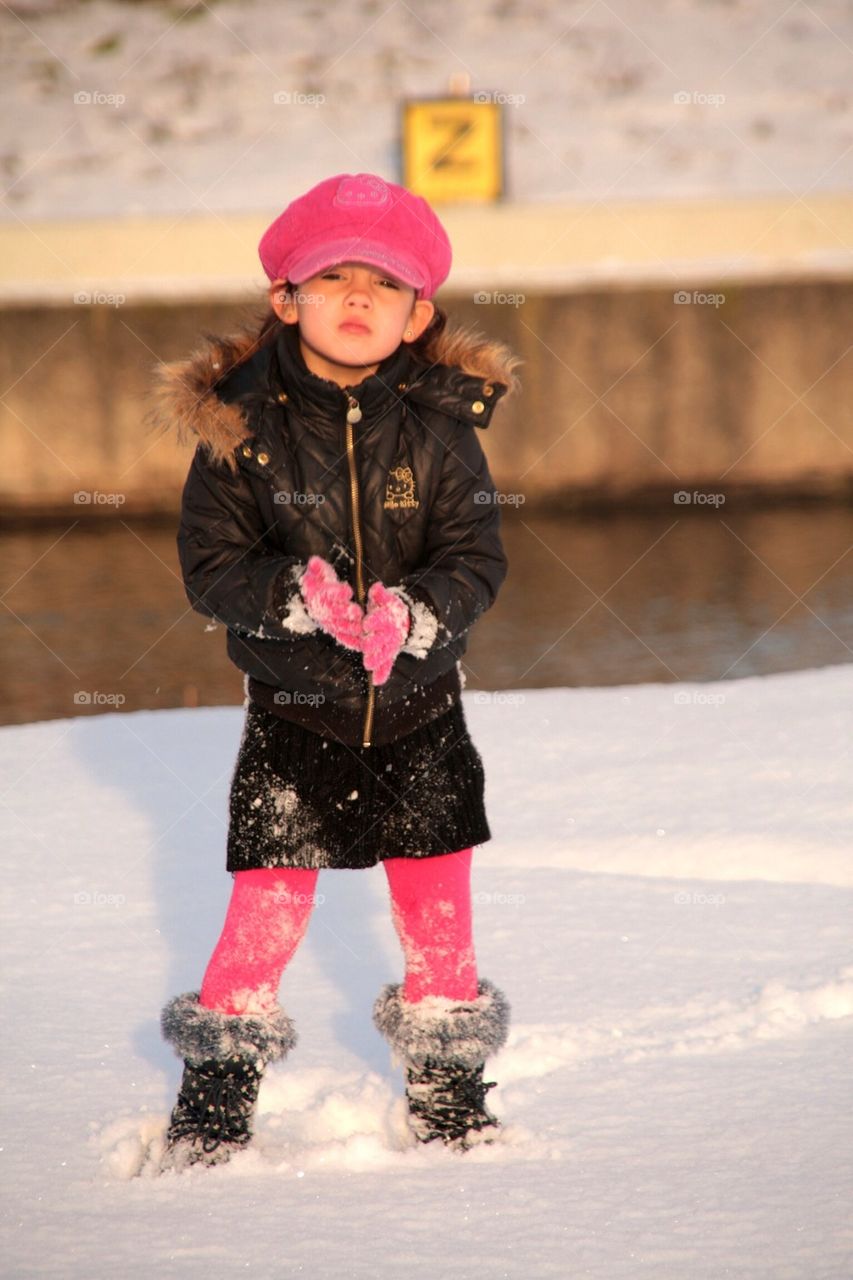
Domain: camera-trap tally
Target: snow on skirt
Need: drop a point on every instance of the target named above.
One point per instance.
(301, 800)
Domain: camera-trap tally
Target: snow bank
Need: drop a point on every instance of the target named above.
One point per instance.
(666, 904)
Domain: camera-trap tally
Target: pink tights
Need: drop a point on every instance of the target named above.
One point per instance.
(269, 912)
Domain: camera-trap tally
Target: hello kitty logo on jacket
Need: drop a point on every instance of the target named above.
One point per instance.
(400, 489)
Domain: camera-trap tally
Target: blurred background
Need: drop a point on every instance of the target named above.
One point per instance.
(667, 243)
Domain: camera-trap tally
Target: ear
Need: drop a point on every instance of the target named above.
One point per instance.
(281, 301)
(422, 312)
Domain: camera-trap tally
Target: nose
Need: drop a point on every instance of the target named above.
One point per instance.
(359, 287)
(357, 296)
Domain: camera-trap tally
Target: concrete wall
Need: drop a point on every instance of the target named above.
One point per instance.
(628, 393)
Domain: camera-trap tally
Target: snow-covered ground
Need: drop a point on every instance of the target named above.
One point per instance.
(113, 107)
(666, 902)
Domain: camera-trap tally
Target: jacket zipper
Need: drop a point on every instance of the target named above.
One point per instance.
(353, 416)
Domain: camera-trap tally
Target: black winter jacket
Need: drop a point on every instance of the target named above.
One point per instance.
(285, 468)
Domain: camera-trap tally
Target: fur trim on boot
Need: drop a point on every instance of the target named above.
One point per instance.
(224, 1060)
(199, 1034)
(462, 1032)
(443, 1044)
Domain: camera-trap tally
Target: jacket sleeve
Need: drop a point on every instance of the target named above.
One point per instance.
(465, 563)
(229, 571)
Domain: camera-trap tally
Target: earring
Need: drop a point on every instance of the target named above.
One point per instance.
(408, 333)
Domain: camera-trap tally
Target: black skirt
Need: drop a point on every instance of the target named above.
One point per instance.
(301, 800)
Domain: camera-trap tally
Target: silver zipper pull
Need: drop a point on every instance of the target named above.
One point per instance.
(353, 412)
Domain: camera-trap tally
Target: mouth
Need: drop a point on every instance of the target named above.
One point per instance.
(354, 326)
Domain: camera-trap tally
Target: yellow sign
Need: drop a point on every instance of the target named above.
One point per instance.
(453, 148)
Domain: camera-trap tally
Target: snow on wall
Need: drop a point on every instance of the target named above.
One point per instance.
(140, 108)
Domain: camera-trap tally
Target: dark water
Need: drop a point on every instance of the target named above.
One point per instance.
(95, 618)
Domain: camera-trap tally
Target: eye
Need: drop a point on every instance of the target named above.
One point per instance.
(392, 284)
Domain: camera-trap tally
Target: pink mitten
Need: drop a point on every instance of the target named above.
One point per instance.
(329, 602)
(386, 626)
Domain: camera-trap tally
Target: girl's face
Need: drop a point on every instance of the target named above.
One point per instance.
(350, 318)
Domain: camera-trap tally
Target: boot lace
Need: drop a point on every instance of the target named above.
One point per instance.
(448, 1101)
(215, 1104)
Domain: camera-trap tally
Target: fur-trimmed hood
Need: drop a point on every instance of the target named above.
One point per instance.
(199, 397)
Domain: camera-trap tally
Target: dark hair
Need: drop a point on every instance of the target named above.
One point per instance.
(424, 347)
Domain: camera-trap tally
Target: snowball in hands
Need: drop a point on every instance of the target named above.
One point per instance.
(386, 626)
(329, 602)
(378, 634)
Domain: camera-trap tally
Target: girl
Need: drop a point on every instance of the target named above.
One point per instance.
(339, 520)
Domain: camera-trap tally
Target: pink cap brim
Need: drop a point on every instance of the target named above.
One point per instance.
(331, 253)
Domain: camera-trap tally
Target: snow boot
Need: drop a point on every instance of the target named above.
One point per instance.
(443, 1044)
(224, 1059)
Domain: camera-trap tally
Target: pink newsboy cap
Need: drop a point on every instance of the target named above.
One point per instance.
(358, 218)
